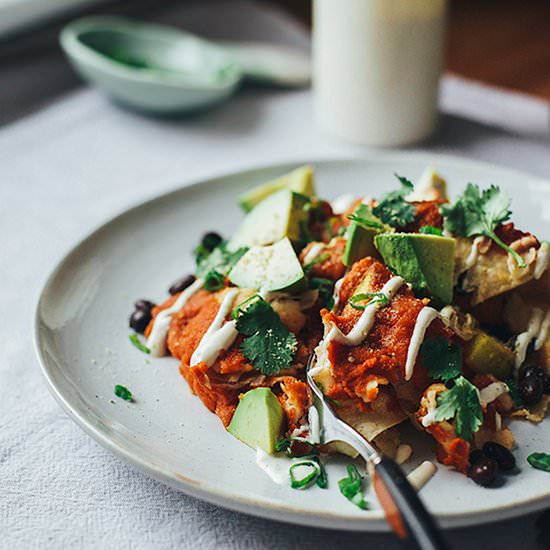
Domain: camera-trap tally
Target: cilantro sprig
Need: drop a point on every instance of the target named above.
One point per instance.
(370, 298)
(443, 361)
(351, 487)
(268, 343)
(462, 402)
(326, 290)
(393, 209)
(431, 230)
(477, 213)
(214, 266)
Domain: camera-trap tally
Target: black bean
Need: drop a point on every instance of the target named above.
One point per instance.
(211, 240)
(530, 370)
(139, 320)
(530, 389)
(475, 455)
(484, 471)
(505, 459)
(181, 284)
(546, 384)
(145, 305)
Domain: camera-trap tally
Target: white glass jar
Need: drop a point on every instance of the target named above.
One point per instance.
(377, 65)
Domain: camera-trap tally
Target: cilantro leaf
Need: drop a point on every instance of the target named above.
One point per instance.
(462, 401)
(364, 217)
(540, 461)
(268, 345)
(478, 212)
(214, 266)
(350, 487)
(442, 361)
(393, 209)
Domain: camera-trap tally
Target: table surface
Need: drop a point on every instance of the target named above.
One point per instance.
(76, 163)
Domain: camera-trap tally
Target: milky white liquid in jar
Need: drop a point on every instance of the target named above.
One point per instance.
(376, 68)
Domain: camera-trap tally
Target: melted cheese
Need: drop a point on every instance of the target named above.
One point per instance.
(543, 258)
(313, 253)
(537, 329)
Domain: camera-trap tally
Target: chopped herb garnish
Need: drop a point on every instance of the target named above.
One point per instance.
(351, 487)
(319, 260)
(514, 393)
(322, 479)
(370, 298)
(123, 392)
(364, 217)
(431, 230)
(214, 281)
(477, 213)
(268, 343)
(393, 209)
(303, 473)
(220, 260)
(462, 402)
(443, 361)
(326, 290)
(134, 338)
(540, 461)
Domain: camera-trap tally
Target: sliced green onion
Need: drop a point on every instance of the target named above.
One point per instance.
(123, 392)
(360, 220)
(431, 230)
(370, 297)
(134, 338)
(318, 260)
(322, 479)
(350, 487)
(239, 309)
(300, 482)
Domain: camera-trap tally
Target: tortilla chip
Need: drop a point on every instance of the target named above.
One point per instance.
(381, 415)
(536, 413)
(493, 273)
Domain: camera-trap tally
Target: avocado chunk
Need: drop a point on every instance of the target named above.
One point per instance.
(487, 355)
(269, 268)
(279, 215)
(299, 180)
(258, 420)
(424, 261)
(360, 236)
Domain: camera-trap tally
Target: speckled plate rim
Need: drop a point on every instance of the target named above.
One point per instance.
(373, 520)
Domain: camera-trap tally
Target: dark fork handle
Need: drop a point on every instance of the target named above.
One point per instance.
(404, 510)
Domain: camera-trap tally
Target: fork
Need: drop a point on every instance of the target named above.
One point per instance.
(405, 512)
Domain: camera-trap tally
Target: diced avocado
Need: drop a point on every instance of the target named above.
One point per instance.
(424, 261)
(299, 180)
(280, 215)
(487, 355)
(258, 420)
(269, 268)
(360, 237)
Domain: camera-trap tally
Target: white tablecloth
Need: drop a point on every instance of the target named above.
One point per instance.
(74, 164)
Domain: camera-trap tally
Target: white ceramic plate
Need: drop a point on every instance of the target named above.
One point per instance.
(82, 342)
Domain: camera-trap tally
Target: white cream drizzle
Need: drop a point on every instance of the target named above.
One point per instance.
(423, 321)
(276, 467)
(472, 257)
(336, 292)
(543, 258)
(343, 203)
(491, 392)
(361, 329)
(313, 253)
(429, 418)
(314, 425)
(422, 474)
(157, 339)
(537, 329)
(219, 336)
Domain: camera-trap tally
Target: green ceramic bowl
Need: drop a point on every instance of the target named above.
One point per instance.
(151, 68)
